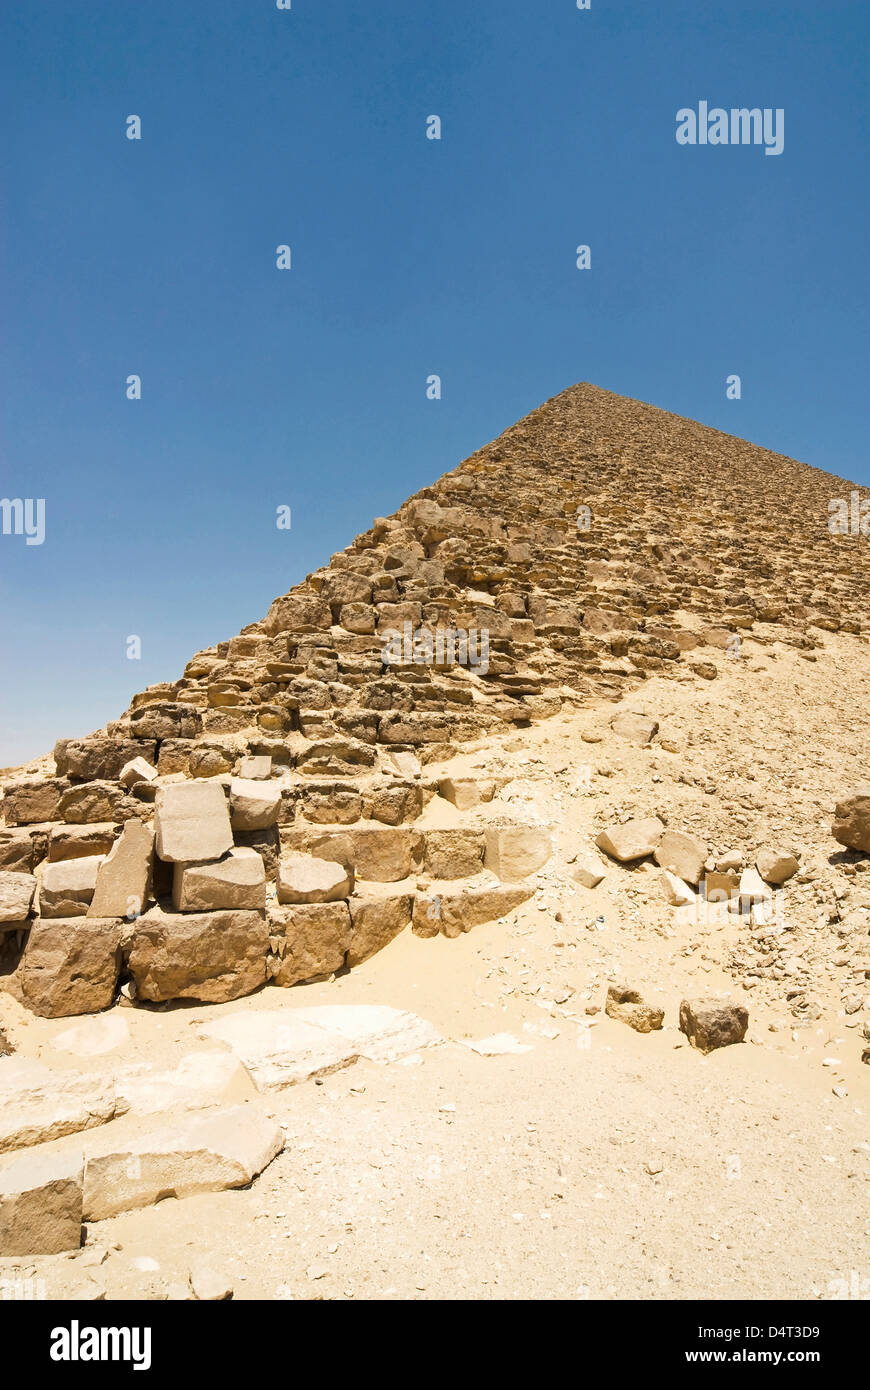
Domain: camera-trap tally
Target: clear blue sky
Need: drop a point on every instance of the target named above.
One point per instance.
(410, 257)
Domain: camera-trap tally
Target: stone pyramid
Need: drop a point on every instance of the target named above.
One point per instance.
(255, 820)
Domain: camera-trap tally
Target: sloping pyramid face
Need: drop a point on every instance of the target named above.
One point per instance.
(256, 819)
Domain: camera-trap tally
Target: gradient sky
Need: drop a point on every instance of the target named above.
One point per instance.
(410, 257)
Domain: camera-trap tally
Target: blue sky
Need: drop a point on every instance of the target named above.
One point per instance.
(307, 388)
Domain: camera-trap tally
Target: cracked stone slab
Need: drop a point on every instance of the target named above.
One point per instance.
(284, 1047)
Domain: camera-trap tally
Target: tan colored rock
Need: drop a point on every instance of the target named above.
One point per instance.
(639, 729)
(30, 802)
(466, 792)
(68, 886)
(209, 1152)
(211, 956)
(280, 1048)
(256, 768)
(634, 840)
(454, 853)
(682, 855)
(95, 803)
(135, 771)
(587, 870)
(453, 914)
(357, 617)
(710, 1023)
(720, 887)
(210, 760)
(192, 822)
(395, 805)
(303, 878)
(297, 613)
(286, 1046)
(201, 1079)
(98, 757)
(376, 1031)
(70, 966)
(267, 845)
(207, 1285)
(21, 849)
(399, 763)
(851, 825)
(330, 805)
(166, 719)
(80, 841)
(236, 881)
(730, 863)
(674, 890)
(41, 1207)
(776, 866)
(384, 855)
(627, 1006)
(310, 941)
(515, 851)
(16, 896)
(124, 875)
(254, 804)
(753, 889)
(375, 922)
(38, 1104)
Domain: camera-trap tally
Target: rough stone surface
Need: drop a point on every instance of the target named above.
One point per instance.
(124, 875)
(254, 804)
(38, 1104)
(587, 870)
(851, 825)
(198, 1153)
(627, 1006)
(41, 1206)
(710, 1023)
(236, 881)
(310, 940)
(30, 802)
(79, 841)
(454, 914)
(211, 956)
(22, 849)
(776, 866)
(135, 771)
(454, 853)
(16, 896)
(384, 855)
(98, 757)
(375, 922)
(674, 890)
(465, 792)
(192, 822)
(515, 851)
(71, 966)
(681, 854)
(634, 840)
(303, 878)
(68, 887)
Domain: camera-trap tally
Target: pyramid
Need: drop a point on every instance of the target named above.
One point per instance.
(256, 820)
